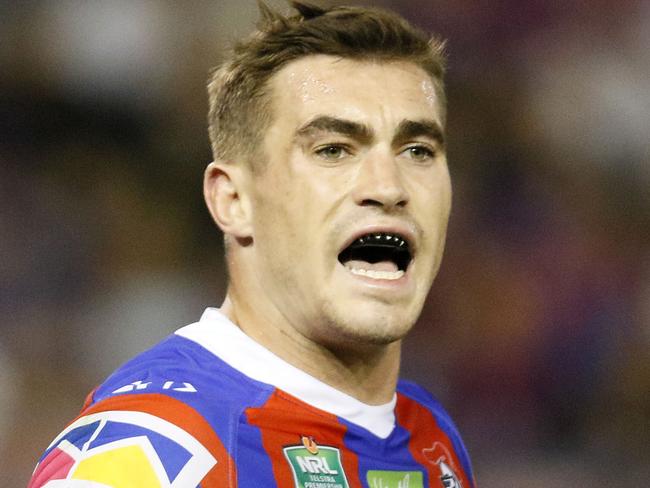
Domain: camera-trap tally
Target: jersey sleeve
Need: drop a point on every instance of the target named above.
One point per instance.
(138, 440)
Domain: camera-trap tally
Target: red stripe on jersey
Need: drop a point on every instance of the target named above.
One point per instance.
(182, 415)
(429, 444)
(283, 421)
(88, 401)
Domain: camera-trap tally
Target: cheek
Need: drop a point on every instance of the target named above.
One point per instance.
(282, 223)
(447, 192)
(442, 190)
(434, 194)
(270, 219)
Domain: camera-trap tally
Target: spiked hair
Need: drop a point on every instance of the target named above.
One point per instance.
(240, 108)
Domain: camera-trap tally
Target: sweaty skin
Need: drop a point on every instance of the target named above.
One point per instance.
(307, 85)
(430, 93)
(354, 147)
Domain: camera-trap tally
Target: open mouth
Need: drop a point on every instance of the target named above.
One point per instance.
(380, 255)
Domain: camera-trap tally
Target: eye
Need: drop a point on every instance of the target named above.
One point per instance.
(332, 152)
(420, 153)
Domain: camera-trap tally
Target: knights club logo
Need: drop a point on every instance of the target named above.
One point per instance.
(439, 455)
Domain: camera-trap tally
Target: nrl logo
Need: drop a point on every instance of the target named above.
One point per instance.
(438, 455)
(315, 466)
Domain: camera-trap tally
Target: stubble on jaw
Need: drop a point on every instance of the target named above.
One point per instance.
(350, 333)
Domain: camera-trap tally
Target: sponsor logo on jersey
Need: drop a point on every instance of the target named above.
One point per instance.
(395, 479)
(439, 455)
(315, 466)
(123, 449)
(139, 385)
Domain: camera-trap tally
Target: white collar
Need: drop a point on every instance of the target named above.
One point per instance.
(223, 338)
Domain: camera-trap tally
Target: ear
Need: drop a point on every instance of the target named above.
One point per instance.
(224, 190)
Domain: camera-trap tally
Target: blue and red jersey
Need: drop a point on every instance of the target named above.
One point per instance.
(209, 407)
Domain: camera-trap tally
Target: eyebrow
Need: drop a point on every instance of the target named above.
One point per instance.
(409, 129)
(324, 123)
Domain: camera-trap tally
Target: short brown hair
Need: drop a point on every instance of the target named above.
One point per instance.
(239, 105)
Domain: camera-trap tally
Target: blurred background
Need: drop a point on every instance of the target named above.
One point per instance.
(536, 335)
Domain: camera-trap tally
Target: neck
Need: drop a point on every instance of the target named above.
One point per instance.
(366, 372)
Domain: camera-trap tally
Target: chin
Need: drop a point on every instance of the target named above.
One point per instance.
(368, 326)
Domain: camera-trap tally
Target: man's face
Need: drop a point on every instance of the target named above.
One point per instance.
(350, 211)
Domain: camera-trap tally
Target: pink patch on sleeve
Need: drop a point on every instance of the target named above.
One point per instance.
(55, 466)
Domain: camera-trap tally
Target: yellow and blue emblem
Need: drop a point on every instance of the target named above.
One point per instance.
(123, 449)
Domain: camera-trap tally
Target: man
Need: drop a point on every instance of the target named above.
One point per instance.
(331, 186)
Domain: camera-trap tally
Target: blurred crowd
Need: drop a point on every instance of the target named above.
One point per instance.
(536, 335)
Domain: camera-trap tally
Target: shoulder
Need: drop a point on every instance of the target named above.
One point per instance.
(417, 407)
(163, 417)
(181, 369)
(146, 439)
(425, 399)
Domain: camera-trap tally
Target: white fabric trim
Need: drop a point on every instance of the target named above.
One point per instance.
(224, 339)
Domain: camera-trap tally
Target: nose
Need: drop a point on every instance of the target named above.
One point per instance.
(379, 182)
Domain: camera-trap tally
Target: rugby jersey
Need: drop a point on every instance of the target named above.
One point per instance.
(209, 407)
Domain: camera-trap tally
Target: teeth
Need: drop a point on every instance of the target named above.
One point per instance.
(378, 275)
(379, 237)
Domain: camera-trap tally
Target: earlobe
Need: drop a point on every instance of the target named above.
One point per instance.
(225, 195)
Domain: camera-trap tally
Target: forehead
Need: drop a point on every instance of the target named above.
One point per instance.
(364, 91)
